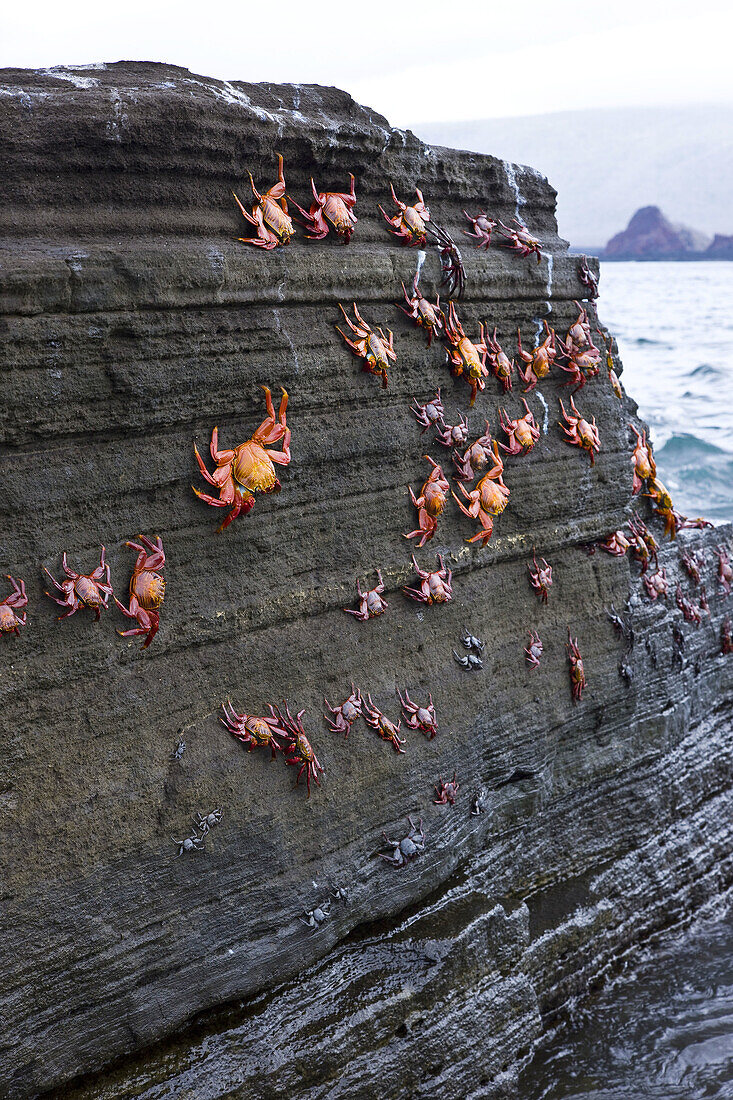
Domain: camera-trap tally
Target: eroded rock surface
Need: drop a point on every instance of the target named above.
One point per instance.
(132, 322)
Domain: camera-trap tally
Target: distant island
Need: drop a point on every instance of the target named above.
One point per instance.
(651, 236)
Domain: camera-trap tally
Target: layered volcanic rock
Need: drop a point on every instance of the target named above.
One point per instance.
(132, 322)
(651, 236)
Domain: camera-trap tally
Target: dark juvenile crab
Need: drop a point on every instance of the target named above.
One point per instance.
(522, 433)
(178, 750)
(298, 751)
(470, 662)
(435, 587)
(421, 311)
(376, 351)
(314, 918)
(520, 240)
(91, 590)
(538, 363)
(501, 364)
(453, 435)
(269, 214)
(587, 277)
(540, 577)
(193, 843)
(726, 636)
(577, 672)
(482, 226)
(408, 224)
(690, 612)
(470, 641)
(430, 504)
(580, 432)
(725, 571)
(693, 562)
(206, 822)
(406, 849)
(386, 729)
(371, 603)
(417, 717)
(11, 608)
(343, 717)
(533, 651)
(656, 584)
(453, 273)
(447, 792)
(335, 207)
(429, 414)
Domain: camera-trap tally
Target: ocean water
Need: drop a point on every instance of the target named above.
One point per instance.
(674, 326)
(663, 1031)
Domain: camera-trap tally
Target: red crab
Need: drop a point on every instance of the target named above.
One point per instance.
(520, 240)
(453, 273)
(298, 750)
(725, 571)
(643, 537)
(663, 507)
(453, 435)
(371, 603)
(688, 609)
(540, 577)
(248, 468)
(612, 376)
(269, 214)
(91, 590)
(577, 673)
(387, 730)
(587, 278)
(488, 499)
(726, 636)
(693, 563)
(501, 365)
(539, 362)
(430, 504)
(434, 587)
(376, 351)
(578, 335)
(522, 433)
(468, 360)
(343, 717)
(656, 584)
(481, 226)
(409, 222)
(581, 433)
(429, 414)
(533, 651)
(330, 206)
(11, 614)
(616, 544)
(147, 589)
(417, 717)
(642, 460)
(422, 312)
(704, 605)
(447, 792)
(252, 731)
(482, 451)
(582, 366)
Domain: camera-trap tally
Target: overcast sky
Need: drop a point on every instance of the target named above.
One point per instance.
(411, 61)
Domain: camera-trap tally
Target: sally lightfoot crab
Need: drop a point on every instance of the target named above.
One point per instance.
(487, 500)
(429, 414)
(371, 603)
(540, 576)
(642, 460)
(254, 732)
(298, 751)
(481, 227)
(421, 311)
(334, 207)
(467, 360)
(481, 452)
(269, 214)
(725, 570)
(537, 363)
(533, 651)
(520, 240)
(91, 590)
(408, 224)
(501, 364)
(417, 717)
(343, 717)
(11, 608)
(430, 504)
(580, 432)
(435, 586)
(521, 433)
(406, 849)
(147, 589)
(249, 468)
(376, 351)
(447, 792)
(386, 729)
(577, 672)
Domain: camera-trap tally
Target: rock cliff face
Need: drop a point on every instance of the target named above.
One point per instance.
(651, 236)
(131, 322)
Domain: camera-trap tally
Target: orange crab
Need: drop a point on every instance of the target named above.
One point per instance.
(612, 376)
(539, 362)
(501, 364)
(581, 433)
(421, 311)
(468, 360)
(91, 590)
(642, 459)
(330, 206)
(248, 468)
(269, 214)
(409, 222)
(577, 672)
(488, 499)
(522, 433)
(430, 504)
(481, 227)
(477, 456)
(663, 507)
(147, 589)
(376, 351)
(11, 608)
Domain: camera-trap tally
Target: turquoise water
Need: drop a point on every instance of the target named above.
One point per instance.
(674, 326)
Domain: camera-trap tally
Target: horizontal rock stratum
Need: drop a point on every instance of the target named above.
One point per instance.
(131, 322)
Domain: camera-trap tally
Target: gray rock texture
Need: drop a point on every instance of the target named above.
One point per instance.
(131, 322)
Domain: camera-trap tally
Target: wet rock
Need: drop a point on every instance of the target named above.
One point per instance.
(131, 322)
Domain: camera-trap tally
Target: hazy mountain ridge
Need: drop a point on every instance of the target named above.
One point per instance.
(607, 163)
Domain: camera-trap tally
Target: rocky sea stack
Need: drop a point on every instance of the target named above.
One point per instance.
(131, 322)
